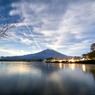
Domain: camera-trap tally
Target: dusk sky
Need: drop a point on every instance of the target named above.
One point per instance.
(67, 26)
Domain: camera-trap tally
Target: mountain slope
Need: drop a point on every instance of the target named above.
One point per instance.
(40, 55)
(46, 54)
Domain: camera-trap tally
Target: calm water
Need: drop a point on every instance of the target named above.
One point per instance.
(27, 78)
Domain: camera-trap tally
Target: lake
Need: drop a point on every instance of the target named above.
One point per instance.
(39, 78)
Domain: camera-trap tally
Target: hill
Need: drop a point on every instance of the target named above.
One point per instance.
(48, 53)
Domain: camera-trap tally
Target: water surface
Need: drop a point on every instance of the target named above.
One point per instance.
(36, 78)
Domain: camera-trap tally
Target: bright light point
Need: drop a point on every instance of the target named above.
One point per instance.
(60, 65)
(71, 60)
(83, 67)
(60, 61)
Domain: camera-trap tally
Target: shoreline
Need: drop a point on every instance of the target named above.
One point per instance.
(78, 62)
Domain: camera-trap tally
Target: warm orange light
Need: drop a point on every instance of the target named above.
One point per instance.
(72, 60)
(60, 61)
(60, 65)
(83, 67)
(72, 66)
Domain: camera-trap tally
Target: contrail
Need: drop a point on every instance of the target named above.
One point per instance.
(33, 37)
(31, 32)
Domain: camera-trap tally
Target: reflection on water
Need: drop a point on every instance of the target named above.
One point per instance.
(83, 67)
(72, 66)
(27, 78)
(60, 65)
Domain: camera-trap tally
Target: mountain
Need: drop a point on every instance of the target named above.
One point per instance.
(40, 55)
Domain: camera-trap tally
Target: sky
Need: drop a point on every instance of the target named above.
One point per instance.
(67, 26)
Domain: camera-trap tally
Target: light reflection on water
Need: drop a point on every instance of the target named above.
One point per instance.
(27, 78)
(74, 66)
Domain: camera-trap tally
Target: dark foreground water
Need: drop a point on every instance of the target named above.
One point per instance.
(27, 78)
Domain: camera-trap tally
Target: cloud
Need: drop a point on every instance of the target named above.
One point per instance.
(18, 37)
(64, 25)
(44, 14)
(12, 51)
(25, 40)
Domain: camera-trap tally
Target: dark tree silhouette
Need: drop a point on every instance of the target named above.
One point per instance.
(4, 29)
(5, 26)
(90, 55)
(93, 47)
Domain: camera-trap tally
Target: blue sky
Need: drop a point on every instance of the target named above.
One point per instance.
(67, 26)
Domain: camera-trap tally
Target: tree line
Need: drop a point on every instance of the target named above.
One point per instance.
(90, 55)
